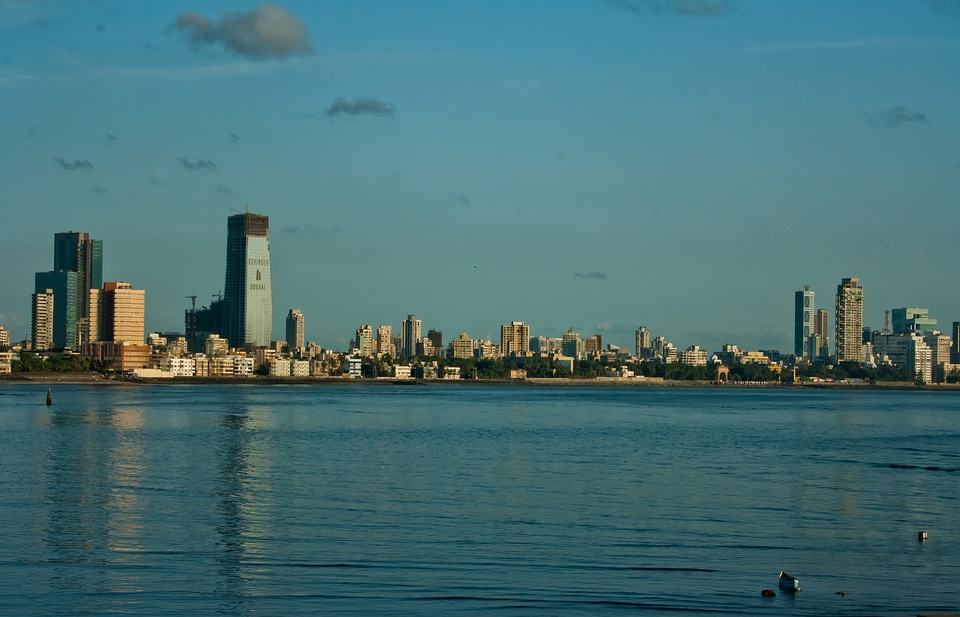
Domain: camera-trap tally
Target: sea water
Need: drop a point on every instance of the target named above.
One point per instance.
(394, 500)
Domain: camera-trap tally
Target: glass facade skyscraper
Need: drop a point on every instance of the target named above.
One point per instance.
(76, 251)
(247, 293)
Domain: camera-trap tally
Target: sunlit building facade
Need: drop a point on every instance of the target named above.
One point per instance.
(247, 294)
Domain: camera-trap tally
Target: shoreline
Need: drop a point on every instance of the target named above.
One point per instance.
(95, 379)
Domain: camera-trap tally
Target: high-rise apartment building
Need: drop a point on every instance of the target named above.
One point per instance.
(42, 322)
(804, 341)
(849, 321)
(571, 344)
(515, 339)
(63, 284)
(436, 338)
(643, 342)
(385, 344)
(121, 313)
(295, 324)
(462, 346)
(410, 336)
(365, 341)
(247, 293)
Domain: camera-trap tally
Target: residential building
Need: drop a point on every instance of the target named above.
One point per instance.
(643, 343)
(6, 362)
(42, 319)
(849, 321)
(425, 348)
(436, 338)
(693, 356)
(891, 349)
(410, 334)
(63, 285)
(364, 341)
(919, 359)
(546, 345)
(216, 346)
(121, 313)
(299, 368)
(385, 346)
(912, 319)
(593, 345)
(125, 357)
(570, 343)
(462, 346)
(295, 335)
(804, 339)
(515, 339)
(939, 345)
(242, 366)
(247, 294)
(279, 367)
(4, 338)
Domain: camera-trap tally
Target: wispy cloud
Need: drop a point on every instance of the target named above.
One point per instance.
(361, 106)
(947, 7)
(33, 130)
(894, 116)
(466, 202)
(849, 44)
(99, 190)
(266, 32)
(223, 190)
(74, 165)
(234, 138)
(590, 275)
(157, 181)
(199, 164)
(694, 8)
(111, 138)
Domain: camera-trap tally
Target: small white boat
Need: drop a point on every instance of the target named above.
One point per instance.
(788, 583)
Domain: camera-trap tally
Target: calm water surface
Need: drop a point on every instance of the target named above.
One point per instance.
(289, 500)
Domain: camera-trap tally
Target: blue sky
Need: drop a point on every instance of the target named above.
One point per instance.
(603, 164)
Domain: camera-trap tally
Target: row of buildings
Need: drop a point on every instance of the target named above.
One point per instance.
(74, 309)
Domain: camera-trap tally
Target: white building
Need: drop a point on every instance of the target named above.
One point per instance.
(299, 368)
(180, 367)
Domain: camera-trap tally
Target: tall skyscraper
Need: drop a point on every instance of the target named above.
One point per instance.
(63, 284)
(364, 341)
(515, 339)
(121, 313)
(42, 328)
(75, 251)
(247, 293)
(385, 341)
(849, 321)
(295, 324)
(410, 336)
(803, 336)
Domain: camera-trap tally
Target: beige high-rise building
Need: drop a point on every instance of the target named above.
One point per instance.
(42, 330)
(122, 313)
(849, 321)
(364, 340)
(643, 342)
(462, 346)
(515, 339)
(385, 346)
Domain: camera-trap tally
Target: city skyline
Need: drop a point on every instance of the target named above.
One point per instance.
(596, 165)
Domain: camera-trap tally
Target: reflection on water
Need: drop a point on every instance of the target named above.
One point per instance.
(304, 501)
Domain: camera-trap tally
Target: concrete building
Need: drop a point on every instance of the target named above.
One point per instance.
(247, 293)
(891, 349)
(693, 356)
(410, 335)
(593, 345)
(546, 345)
(216, 347)
(385, 346)
(121, 313)
(571, 345)
(436, 338)
(919, 360)
(821, 329)
(804, 338)
(939, 345)
(126, 357)
(42, 320)
(364, 341)
(462, 346)
(515, 339)
(4, 338)
(295, 329)
(849, 321)
(643, 343)
(912, 319)
(63, 284)
(6, 362)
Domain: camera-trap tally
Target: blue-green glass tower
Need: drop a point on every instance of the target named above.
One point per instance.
(64, 285)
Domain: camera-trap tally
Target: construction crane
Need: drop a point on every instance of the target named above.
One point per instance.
(193, 302)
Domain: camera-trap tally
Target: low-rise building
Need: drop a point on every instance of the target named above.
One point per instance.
(6, 362)
(299, 368)
(279, 368)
